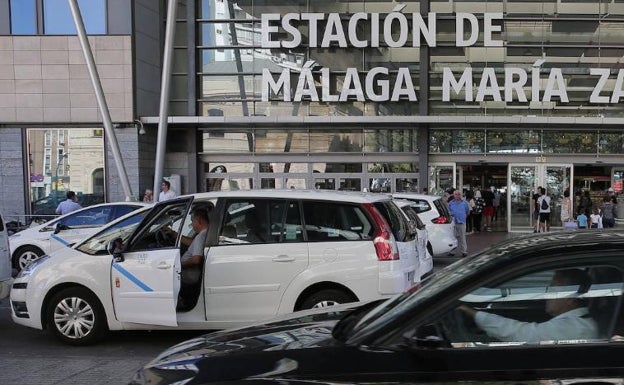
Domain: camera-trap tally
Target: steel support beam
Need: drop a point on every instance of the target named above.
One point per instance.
(101, 100)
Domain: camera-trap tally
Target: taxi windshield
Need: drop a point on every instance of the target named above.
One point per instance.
(97, 244)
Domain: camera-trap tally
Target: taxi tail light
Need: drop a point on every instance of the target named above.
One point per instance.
(441, 220)
(383, 239)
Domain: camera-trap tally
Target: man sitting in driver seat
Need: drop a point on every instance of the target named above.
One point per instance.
(571, 319)
(192, 260)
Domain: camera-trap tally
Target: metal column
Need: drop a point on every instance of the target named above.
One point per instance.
(99, 95)
(164, 96)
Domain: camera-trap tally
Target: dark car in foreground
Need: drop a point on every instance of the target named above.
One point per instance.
(427, 335)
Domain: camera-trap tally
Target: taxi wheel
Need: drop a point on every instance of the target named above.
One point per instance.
(25, 256)
(76, 316)
(325, 298)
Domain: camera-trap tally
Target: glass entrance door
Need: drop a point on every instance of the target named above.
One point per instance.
(523, 180)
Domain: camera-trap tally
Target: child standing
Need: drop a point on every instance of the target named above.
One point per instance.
(581, 218)
(595, 219)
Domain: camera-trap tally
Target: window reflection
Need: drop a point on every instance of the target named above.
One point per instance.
(61, 160)
(23, 17)
(457, 141)
(57, 18)
(309, 141)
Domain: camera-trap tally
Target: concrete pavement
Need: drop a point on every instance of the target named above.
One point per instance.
(478, 242)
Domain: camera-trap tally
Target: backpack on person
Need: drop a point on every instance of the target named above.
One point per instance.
(608, 211)
(544, 205)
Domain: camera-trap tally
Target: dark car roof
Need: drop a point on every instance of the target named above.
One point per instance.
(573, 240)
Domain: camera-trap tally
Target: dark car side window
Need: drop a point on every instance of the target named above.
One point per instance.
(420, 206)
(260, 221)
(541, 307)
(329, 221)
(396, 220)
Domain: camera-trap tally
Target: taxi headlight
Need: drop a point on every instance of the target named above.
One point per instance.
(28, 270)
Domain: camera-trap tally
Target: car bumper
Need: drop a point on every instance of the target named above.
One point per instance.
(20, 312)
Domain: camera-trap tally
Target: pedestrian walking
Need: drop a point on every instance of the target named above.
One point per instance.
(543, 203)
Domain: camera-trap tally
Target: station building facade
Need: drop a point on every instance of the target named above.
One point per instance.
(352, 95)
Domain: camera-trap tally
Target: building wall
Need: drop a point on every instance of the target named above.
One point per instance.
(11, 174)
(129, 148)
(44, 79)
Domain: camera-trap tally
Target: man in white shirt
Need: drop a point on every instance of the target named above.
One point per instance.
(571, 319)
(166, 193)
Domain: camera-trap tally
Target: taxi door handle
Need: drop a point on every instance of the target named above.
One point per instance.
(283, 258)
(164, 265)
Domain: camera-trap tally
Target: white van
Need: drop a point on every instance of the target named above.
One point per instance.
(5, 261)
(267, 252)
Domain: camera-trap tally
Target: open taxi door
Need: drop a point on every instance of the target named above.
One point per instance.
(145, 274)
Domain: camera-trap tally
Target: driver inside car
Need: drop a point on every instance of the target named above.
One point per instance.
(192, 260)
(570, 316)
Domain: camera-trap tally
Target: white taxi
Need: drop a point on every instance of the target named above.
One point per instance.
(35, 241)
(267, 252)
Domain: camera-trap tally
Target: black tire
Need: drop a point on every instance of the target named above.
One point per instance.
(25, 256)
(325, 298)
(76, 317)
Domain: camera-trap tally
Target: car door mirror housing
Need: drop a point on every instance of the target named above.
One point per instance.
(60, 227)
(115, 248)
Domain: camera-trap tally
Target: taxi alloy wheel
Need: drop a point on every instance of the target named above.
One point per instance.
(325, 298)
(76, 316)
(26, 256)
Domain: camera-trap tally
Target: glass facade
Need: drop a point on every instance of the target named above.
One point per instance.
(424, 67)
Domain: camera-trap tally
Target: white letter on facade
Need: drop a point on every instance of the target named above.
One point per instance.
(269, 83)
(267, 29)
(292, 30)
(556, 77)
(334, 32)
(352, 86)
(353, 23)
(448, 80)
(403, 86)
(604, 77)
(488, 28)
(383, 84)
(517, 86)
(459, 29)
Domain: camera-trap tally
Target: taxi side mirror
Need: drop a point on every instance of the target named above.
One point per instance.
(60, 227)
(115, 248)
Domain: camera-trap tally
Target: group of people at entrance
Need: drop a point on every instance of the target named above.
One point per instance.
(578, 212)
